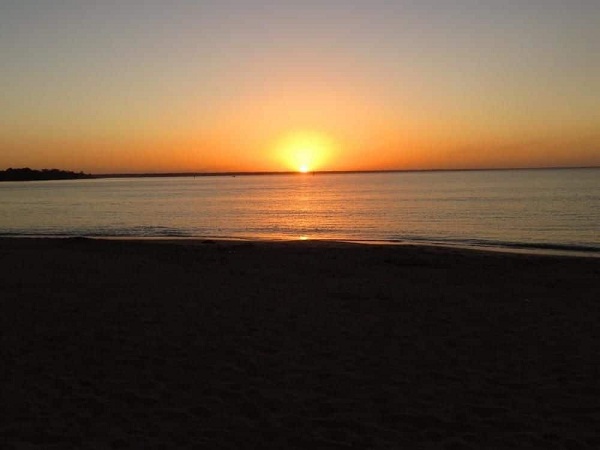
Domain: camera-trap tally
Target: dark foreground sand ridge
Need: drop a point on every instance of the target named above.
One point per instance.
(117, 344)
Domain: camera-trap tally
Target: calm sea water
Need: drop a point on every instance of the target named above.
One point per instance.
(530, 209)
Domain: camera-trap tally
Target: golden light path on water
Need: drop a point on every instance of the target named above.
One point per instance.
(510, 209)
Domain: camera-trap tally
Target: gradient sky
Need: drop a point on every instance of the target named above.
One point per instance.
(135, 86)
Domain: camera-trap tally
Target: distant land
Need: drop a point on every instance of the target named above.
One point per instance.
(321, 172)
(27, 174)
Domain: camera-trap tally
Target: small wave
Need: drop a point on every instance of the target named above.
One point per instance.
(506, 245)
(315, 233)
(109, 232)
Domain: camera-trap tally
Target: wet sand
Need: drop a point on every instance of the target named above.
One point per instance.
(133, 344)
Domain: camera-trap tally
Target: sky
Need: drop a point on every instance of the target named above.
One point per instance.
(123, 86)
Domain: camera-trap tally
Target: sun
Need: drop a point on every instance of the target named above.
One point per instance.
(304, 151)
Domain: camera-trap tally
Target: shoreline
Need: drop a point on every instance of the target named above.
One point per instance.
(509, 248)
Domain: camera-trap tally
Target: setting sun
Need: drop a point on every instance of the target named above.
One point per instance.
(304, 151)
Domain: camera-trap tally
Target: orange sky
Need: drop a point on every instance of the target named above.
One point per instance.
(256, 86)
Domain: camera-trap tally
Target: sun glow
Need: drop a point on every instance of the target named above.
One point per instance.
(304, 151)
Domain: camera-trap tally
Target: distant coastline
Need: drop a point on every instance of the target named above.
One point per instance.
(27, 174)
(320, 172)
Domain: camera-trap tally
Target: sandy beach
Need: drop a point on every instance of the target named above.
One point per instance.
(223, 344)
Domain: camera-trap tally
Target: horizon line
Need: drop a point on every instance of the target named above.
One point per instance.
(320, 172)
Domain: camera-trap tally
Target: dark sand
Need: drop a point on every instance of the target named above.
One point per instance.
(116, 344)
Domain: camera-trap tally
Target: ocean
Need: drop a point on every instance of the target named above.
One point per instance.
(551, 209)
